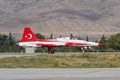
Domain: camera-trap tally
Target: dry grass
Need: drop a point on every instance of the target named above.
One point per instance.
(63, 61)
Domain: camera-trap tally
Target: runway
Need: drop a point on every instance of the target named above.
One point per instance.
(60, 74)
(2, 55)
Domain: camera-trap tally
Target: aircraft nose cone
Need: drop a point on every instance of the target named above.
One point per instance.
(100, 44)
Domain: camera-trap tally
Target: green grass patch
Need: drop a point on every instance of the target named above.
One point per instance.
(63, 61)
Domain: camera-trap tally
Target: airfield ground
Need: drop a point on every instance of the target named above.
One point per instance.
(60, 66)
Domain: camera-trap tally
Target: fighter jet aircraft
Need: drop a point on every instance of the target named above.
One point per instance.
(30, 40)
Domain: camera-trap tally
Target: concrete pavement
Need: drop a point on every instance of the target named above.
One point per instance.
(60, 74)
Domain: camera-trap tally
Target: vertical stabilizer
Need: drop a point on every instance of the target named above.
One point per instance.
(28, 35)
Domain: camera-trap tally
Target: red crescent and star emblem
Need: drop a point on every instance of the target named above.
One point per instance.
(28, 36)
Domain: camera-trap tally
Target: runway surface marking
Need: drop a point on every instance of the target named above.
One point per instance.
(90, 72)
(54, 78)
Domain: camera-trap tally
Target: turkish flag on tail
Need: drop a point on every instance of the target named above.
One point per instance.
(28, 35)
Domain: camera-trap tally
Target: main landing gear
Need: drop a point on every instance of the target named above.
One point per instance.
(51, 50)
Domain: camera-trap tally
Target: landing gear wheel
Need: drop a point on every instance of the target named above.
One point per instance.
(51, 50)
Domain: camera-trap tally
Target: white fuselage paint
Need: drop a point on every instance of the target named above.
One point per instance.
(78, 41)
(57, 42)
(34, 44)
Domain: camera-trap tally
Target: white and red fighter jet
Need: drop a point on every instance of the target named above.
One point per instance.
(30, 40)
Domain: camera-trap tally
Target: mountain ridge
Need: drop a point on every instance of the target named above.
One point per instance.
(61, 17)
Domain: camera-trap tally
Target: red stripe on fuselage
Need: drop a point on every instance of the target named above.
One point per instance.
(75, 44)
(47, 45)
